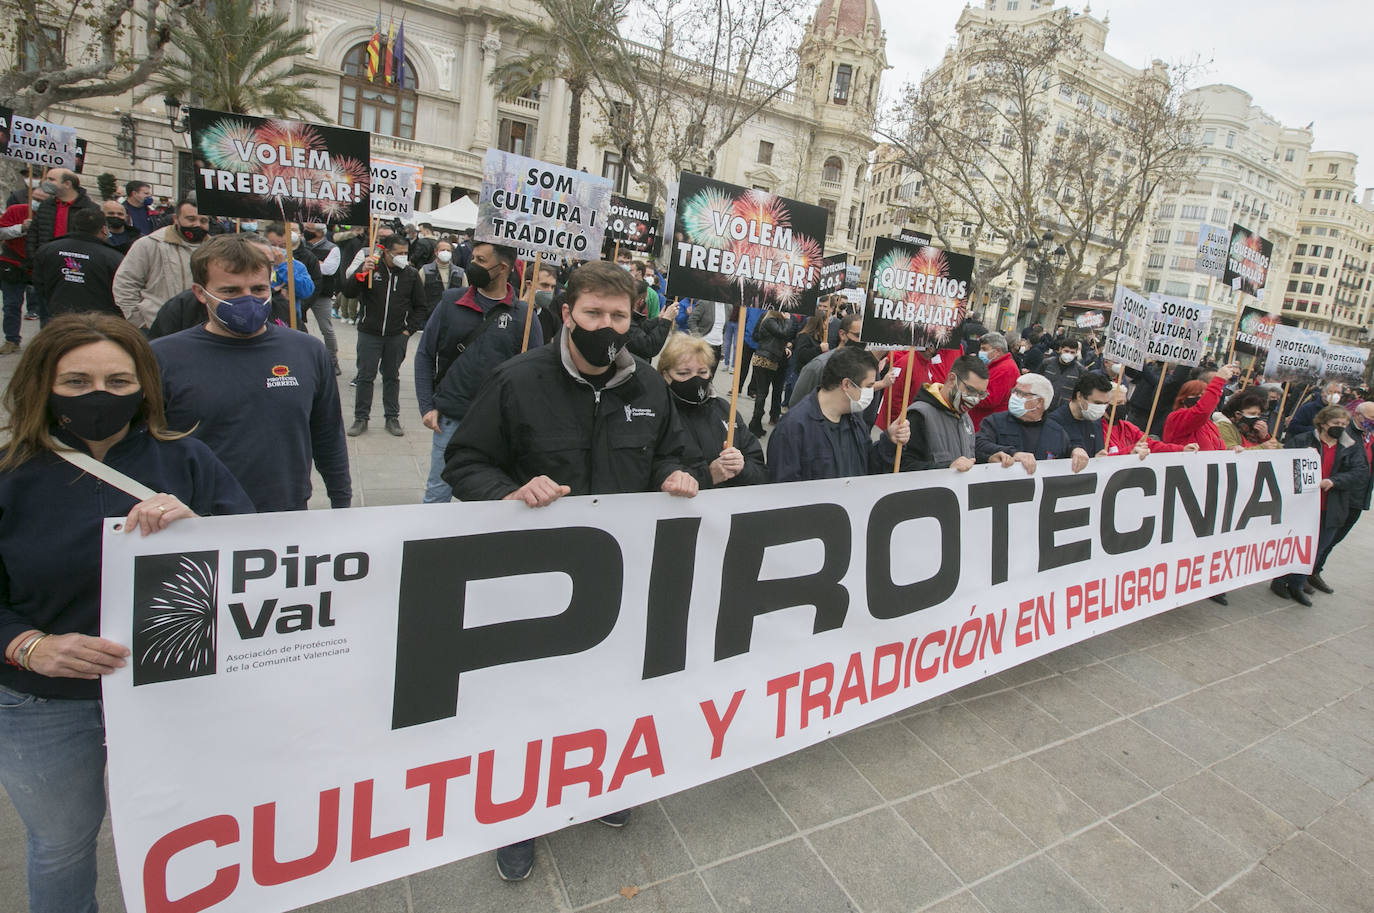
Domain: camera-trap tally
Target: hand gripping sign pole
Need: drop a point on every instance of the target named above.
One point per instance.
(906, 401)
(529, 300)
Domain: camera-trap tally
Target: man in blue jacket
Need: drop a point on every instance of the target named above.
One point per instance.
(824, 435)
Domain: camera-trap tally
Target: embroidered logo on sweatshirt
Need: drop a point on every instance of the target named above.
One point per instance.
(281, 377)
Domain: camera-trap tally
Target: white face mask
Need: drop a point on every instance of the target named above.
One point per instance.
(857, 406)
(444, 256)
(400, 261)
(1094, 411)
(1334, 399)
(1067, 357)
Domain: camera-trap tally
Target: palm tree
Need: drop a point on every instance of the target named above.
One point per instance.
(229, 57)
(579, 42)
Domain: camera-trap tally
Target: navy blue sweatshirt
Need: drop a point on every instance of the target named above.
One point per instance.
(265, 405)
(51, 517)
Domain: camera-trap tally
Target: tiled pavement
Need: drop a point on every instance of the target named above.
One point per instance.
(1211, 759)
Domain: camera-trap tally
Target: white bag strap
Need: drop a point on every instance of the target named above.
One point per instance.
(106, 474)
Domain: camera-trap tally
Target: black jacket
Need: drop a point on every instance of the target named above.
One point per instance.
(45, 218)
(434, 285)
(1064, 377)
(1349, 476)
(76, 274)
(538, 416)
(647, 336)
(804, 348)
(772, 335)
(1003, 432)
(705, 426)
(394, 304)
(422, 252)
(1063, 434)
(446, 379)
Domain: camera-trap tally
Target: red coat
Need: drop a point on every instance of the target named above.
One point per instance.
(1002, 377)
(1194, 424)
(1125, 436)
(926, 371)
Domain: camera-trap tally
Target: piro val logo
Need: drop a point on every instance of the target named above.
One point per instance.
(176, 608)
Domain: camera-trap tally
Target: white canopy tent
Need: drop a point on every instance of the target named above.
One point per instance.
(460, 214)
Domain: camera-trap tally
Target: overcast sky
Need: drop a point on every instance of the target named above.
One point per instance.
(1301, 62)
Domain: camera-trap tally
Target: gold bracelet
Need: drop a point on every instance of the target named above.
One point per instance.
(29, 647)
(13, 660)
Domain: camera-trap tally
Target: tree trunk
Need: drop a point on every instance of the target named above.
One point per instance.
(574, 123)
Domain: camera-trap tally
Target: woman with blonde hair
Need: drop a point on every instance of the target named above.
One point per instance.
(686, 363)
(88, 439)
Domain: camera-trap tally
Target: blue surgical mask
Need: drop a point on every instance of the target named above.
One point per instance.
(243, 315)
(983, 356)
(1016, 405)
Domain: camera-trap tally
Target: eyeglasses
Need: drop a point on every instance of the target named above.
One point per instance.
(969, 394)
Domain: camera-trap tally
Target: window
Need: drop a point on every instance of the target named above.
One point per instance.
(1200, 291)
(844, 75)
(1327, 194)
(1321, 289)
(1306, 288)
(1176, 288)
(1329, 252)
(1288, 155)
(1301, 251)
(1167, 211)
(614, 168)
(517, 137)
(1195, 212)
(1230, 139)
(1209, 136)
(829, 207)
(1156, 261)
(765, 152)
(1161, 236)
(1151, 285)
(1297, 267)
(1218, 215)
(43, 49)
(375, 106)
(1333, 168)
(833, 170)
(1292, 285)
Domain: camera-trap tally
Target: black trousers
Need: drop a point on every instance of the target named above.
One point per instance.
(764, 378)
(387, 352)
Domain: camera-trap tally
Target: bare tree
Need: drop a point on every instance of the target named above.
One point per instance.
(1009, 139)
(65, 51)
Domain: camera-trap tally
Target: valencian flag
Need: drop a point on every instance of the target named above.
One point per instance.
(919, 295)
(374, 50)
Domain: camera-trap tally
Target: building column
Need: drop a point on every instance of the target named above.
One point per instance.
(553, 123)
(486, 92)
(470, 88)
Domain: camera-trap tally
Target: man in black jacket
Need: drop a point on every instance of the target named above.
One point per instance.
(582, 416)
(440, 275)
(391, 306)
(52, 220)
(75, 274)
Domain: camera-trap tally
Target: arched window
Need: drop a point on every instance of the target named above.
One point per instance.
(375, 106)
(833, 170)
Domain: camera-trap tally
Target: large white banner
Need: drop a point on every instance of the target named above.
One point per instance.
(322, 701)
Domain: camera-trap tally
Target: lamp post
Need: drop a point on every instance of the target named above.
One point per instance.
(178, 117)
(1044, 261)
(127, 140)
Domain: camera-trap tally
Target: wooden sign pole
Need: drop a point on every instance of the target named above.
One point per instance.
(906, 402)
(1154, 404)
(529, 301)
(734, 382)
(1111, 422)
(1278, 416)
(374, 223)
(290, 275)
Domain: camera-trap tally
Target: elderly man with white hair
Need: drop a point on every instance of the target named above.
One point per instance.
(1012, 436)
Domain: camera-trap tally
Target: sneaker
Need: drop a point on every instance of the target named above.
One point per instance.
(1314, 579)
(354, 381)
(9, 348)
(513, 863)
(393, 427)
(616, 819)
(358, 427)
(30, 315)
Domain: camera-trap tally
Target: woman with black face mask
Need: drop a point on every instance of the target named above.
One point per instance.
(87, 440)
(1345, 473)
(686, 363)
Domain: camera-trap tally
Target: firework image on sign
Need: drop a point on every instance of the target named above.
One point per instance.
(744, 246)
(1296, 354)
(1247, 261)
(1345, 364)
(260, 168)
(541, 208)
(632, 225)
(1212, 243)
(919, 295)
(1255, 330)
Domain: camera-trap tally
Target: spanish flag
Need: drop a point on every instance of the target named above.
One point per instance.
(374, 49)
(390, 57)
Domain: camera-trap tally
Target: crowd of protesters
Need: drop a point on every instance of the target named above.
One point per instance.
(172, 378)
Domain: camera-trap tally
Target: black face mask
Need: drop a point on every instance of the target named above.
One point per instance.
(115, 224)
(598, 347)
(478, 275)
(94, 416)
(195, 234)
(1334, 432)
(1191, 401)
(693, 391)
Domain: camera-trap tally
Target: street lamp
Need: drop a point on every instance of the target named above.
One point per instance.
(127, 140)
(1045, 261)
(178, 117)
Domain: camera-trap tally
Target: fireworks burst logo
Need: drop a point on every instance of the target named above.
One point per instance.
(176, 608)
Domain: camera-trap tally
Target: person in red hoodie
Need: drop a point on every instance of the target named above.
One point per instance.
(1003, 374)
(14, 274)
(1191, 421)
(1128, 438)
(931, 366)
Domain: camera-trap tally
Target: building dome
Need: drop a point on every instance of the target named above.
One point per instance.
(855, 18)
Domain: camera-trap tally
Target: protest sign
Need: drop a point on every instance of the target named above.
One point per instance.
(541, 208)
(1247, 261)
(393, 190)
(913, 237)
(919, 295)
(389, 698)
(745, 246)
(631, 225)
(1212, 245)
(1090, 320)
(834, 274)
(1296, 354)
(1345, 364)
(1178, 330)
(1128, 329)
(37, 142)
(261, 168)
(1255, 330)
(413, 166)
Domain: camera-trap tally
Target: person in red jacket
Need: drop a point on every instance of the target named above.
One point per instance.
(1128, 438)
(1191, 421)
(1003, 374)
(931, 366)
